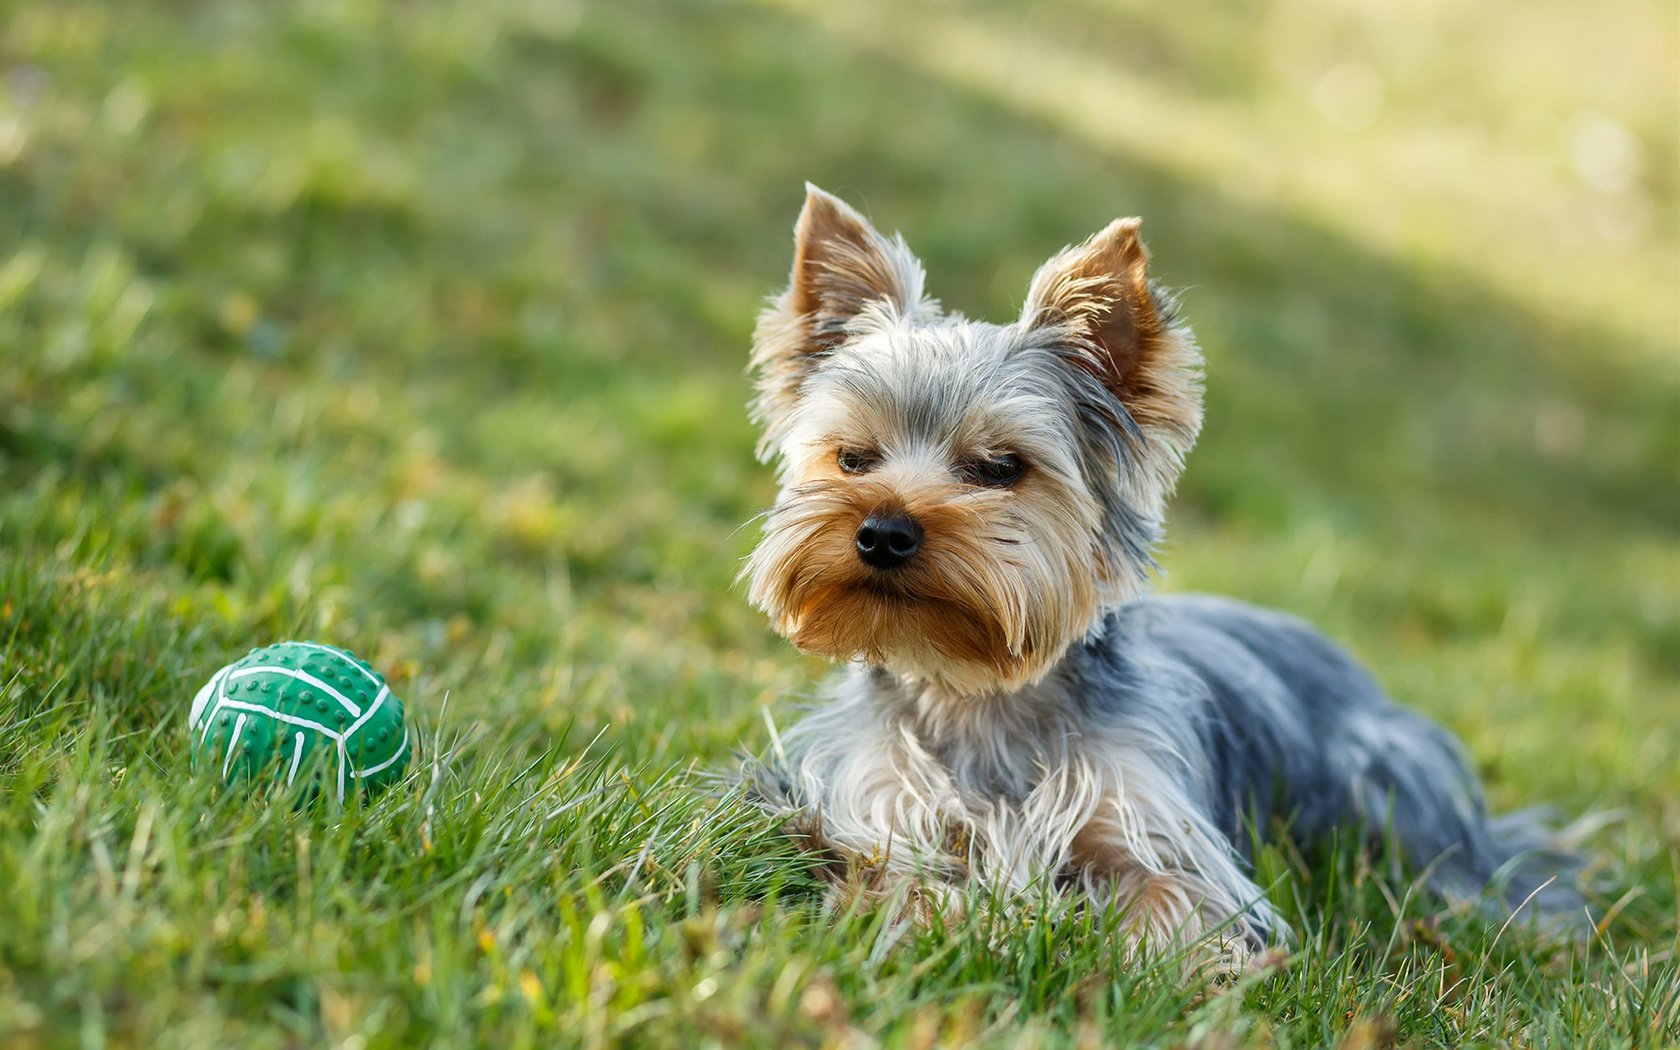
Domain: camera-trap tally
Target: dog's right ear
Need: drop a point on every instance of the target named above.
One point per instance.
(841, 267)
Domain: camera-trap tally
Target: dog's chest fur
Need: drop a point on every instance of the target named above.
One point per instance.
(995, 749)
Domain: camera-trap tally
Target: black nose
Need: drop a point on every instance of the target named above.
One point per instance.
(886, 541)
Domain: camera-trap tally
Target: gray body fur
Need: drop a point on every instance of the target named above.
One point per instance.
(1289, 726)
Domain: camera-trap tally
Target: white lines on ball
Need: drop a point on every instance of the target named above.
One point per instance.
(201, 700)
(297, 756)
(240, 705)
(381, 767)
(378, 702)
(304, 677)
(233, 743)
(343, 762)
(365, 673)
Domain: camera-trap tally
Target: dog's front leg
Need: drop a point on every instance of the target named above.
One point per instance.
(1169, 903)
(885, 812)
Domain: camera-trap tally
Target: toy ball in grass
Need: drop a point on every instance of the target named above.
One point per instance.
(301, 706)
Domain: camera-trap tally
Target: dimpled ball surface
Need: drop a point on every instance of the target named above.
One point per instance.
(301, 710)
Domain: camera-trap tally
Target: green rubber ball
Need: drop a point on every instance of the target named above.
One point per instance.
(301, 709)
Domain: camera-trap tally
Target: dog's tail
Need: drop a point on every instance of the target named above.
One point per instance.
(1523, 863)
(1515, 864)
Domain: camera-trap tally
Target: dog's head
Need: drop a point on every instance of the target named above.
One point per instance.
(961, 501)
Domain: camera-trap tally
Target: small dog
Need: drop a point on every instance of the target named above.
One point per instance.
(967, 513)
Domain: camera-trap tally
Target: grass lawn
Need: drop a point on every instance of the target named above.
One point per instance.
(419, 328)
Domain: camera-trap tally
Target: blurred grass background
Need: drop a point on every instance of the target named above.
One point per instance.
(420, 328)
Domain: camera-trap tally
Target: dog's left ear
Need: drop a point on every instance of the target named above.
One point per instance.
(1122, 333)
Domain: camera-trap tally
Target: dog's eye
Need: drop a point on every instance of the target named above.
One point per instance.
(997, 471)
(856, 460)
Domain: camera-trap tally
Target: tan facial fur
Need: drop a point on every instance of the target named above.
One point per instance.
(974, 594)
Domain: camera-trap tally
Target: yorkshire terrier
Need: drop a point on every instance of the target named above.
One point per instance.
(966, 515)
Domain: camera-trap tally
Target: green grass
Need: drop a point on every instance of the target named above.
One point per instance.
(419, 328)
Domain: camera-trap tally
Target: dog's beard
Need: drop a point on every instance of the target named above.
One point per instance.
(986, 603)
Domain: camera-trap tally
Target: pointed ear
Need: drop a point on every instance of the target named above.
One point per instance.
(841, 267)
(841, 264)
(1122, 332)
